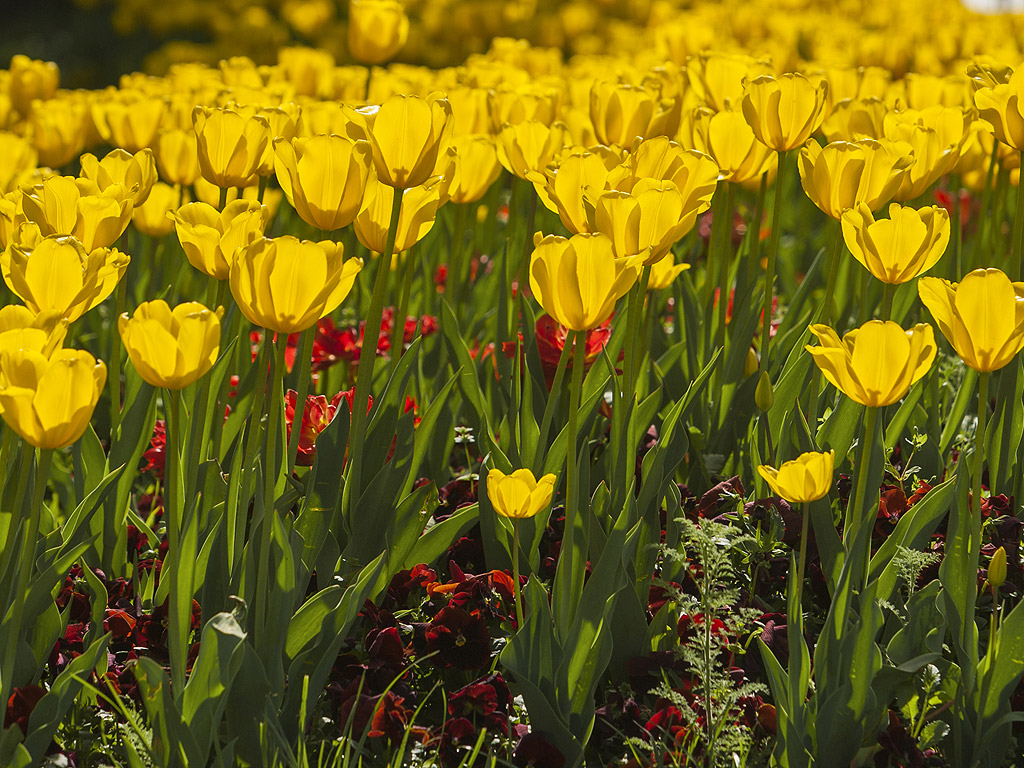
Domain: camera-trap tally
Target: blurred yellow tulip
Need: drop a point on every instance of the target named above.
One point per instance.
(526, 148)
(177, 156)
(875, 364)
(151, 218)
(897, 249)
(664, 273)
(982, 316)
(479, 167)
(419, 212)
(130, 120)
(211, 238)
(171, 348)
(377, 29)
(806, 478)
(324, 178)
(519, 494)
(49, 401)
(31, 79)
(728, 139)
(621, 113)
(18, 158)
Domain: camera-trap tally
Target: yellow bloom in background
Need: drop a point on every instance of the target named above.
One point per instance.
(136, 172)
(283, 122)
(717, 77)
(59, 274)
(419, 212)
(901, 247)
(856, 119)
(621, 113)
(933, 156)
(324, 178)
(377, 29)
(806, 478)
(171, 348)
(470, 110)
(520, 494)
(409, 137)
(58, 131)
(578, 280)
(21, 328)
(536, 102)
(479, 167)
(730, 142)
(31, 79)
(285, 284)
(18, 158)
(784, 111)
(229, 146)
(664, 273)
(130, 120)
(875, 364)
(982, 316)
(694, 173)
(1001, 105)
(177, 156)
(210, 238)
(845, 174)
(64, 205)
(526, 148)
(151, 218)
(648, 220)
(49, 401)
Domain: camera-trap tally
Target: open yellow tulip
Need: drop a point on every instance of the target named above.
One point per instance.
(844, 174)
(982, 317)
(409, 137)
(805, 478)
(875, 364)
(784, 111)
(901, 247)
(49, 401)
(520, 494)
(171, 348)
(210, 239)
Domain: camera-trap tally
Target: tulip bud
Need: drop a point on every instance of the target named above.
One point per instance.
(751, 364)
(520, 494)
(784, 111)
(997, 569)
(764, 397)
(136, 172)
(177, 156)
(324, 178)
(229, 146)
(31, 79)
(210, 239)
(409, 137)
(377, 29)
(17, 159)
(130, 122)
(151, 218)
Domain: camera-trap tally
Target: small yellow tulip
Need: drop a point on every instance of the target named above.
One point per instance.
(875, 364)
(567, 179)
(933, 156)
(64, 205)
(784, 111)
(130, 122)
(997, 568)
(210, 239)
(529, 102)
(285, 284)
(479, 167)
(136, 172)
(844, 174)
(409, 139)
(21, 328)
(648, 220)
(1001, 105)
(151, 218)
(578, 280)
(897, 249)
(18, 158)
(982, 316)
(694, 173)
(718, 77)
(526, 148)
(806, 478)
(324, 178)
(171, 348)
(229, 146)
(377, 29)
(177, 156)
(58, 130)
(49, 401)
(520, 494)
(419, 212)
(664, 273)
(620, 113)
(31, 79)
(730, 142)
(57, 273)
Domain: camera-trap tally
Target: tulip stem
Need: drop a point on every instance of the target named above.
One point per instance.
(979, 440)
(769, 275)
(515, 573)
(552, 402)
(826, 319)
(402, 309)
(368, 357)
(255, 416)
(888, 292)
(803, 553)
(754, 227)
(222, 201)
(305, 363)
(1018, 230)
(114, 372)
(453, 281)
(180, 606)
(273, 402)
(857, 500)
(723, 254)
(634, 345)
(25, 563)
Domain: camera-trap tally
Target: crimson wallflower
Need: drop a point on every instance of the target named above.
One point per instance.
(485, 702)
(333, 344)
(459, 639)
(155, 455)
(290, 348)
(316, 417)
(551, 338)
(20, 706)
(384, 715)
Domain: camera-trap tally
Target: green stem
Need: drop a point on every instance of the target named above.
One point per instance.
(979, 441)
(826, 319)
(857, 500)
(769, 275)
(223, 199)
(888, 292)
(368, 355)
(402, 309)
(553, 397)
(723, 255)
(515, 573)
(252, 437)
(754, 228)
(1018, 227)
(634, 345)
(273, 401)
(8, 516)
(180, 608)
(114, 371)
(305, 363)
(455, 267)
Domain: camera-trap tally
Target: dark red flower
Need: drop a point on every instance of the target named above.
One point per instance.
(535, 751)
(20, 706)
(119, 623)
(384, 716)
(316, 417)
(290, 349)
(551, 338)
(155, 454)
(459, 639)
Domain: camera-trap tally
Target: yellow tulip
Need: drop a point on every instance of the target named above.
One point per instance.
(479, 167)
(718, 78)
(730, 142)
(845, 174)
(307, 69)
(875, 364)
(21, 328)
(1001, 105)
(806, 478)
(211, 238)
(64, 205)
(136, 172)
(419, 212)
(784, 111)
(997, 568)
(856, 119)
(933, 156)
(286, 285)
(982, 317)
(31, 79)
(526, 148)
(648, 220)
(171, 348)
(229, 146)
(151, 218)
(568, 177)
(409, 137)
(130, 120)
(578, 280)
(520, 494)
(85, 278)
(470, 111)
(17, 159)
(49, 401)
(57, 128)
(177, 156)
(897, 249)
(620, 113)
(324, 178)
(530, 102)
(377, 29)
(694, 173)
(664, 273)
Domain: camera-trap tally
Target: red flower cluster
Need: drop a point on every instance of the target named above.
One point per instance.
(316, 416)
(334, 344)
